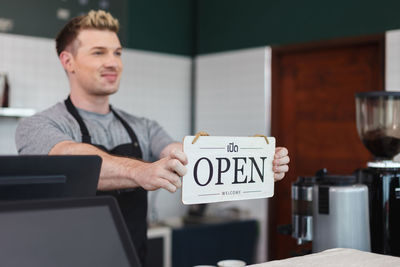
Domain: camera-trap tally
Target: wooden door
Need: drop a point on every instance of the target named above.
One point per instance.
(313, 115)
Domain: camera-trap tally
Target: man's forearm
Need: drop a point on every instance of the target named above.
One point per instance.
(116, 172)
(122, 172)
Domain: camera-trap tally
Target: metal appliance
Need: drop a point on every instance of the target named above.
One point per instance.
(302, 209)
(331, 211)
(340, 213)
(378, 125)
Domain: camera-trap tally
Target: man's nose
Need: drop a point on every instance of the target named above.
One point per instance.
(113, 61)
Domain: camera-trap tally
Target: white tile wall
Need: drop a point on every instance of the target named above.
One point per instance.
(392, 61)
(154, 85)
(392, 64)
(36, 78)
(233, 99)
(231, 93)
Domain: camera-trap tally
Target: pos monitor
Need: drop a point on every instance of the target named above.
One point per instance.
(77, 232)
(34, 177)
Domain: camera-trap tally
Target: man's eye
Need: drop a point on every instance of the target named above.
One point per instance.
(97, 53)
(119, 53)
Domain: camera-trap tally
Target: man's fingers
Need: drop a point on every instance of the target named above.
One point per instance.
(281, 161)
(164, 183)
(173, 178)
(280, 152)
(176, 166)
(179, 155)
(279, 176)
(281, 169)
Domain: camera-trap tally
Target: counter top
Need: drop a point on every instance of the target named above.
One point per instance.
(336, 257)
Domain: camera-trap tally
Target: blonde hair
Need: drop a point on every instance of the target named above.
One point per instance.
(99, 19)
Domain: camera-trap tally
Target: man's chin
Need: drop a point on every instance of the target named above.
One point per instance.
(109, 89)
(105, 92)
(112, 91)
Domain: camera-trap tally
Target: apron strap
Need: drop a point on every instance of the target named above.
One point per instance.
(74, 112)
(128, 128)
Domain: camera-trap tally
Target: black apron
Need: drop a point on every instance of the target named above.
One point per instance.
(132, 202)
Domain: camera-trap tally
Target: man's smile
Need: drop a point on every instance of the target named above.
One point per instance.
(110, 76)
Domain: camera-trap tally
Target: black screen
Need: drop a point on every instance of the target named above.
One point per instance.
(40, 177)
(77, 236)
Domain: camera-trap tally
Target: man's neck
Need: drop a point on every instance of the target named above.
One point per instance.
(92, 103)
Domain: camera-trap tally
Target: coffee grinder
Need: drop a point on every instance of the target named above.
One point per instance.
(378, 125)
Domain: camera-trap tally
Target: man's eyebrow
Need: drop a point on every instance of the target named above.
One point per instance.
(103, 47)
(98, 48)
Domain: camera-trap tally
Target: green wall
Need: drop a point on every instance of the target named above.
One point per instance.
(233, 24)
(189, 27)
(162, 26)
(39, 17)
(157, 25)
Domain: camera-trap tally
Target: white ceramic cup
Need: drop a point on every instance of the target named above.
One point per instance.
(231, 263)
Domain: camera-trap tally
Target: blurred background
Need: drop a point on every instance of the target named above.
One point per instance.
(287, 69)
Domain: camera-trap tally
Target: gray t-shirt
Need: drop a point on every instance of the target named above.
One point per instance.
(39, 133)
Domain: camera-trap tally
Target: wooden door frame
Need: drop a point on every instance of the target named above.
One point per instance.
(278, 202)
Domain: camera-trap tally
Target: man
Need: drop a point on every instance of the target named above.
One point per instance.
(85, 123)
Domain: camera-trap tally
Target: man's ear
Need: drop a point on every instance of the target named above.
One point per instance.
(67, 61)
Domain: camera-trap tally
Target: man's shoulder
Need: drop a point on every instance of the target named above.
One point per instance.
(55, 110)
(53, 113)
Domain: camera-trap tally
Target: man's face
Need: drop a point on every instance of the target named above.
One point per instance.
(96, 62)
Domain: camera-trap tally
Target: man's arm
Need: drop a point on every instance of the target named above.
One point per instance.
(122, 172)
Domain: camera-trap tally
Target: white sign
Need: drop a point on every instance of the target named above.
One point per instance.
(228, 168)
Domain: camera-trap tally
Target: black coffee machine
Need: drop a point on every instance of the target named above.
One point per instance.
(378, 125)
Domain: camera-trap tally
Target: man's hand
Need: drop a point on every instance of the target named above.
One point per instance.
(280, 163)
(164, 173)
